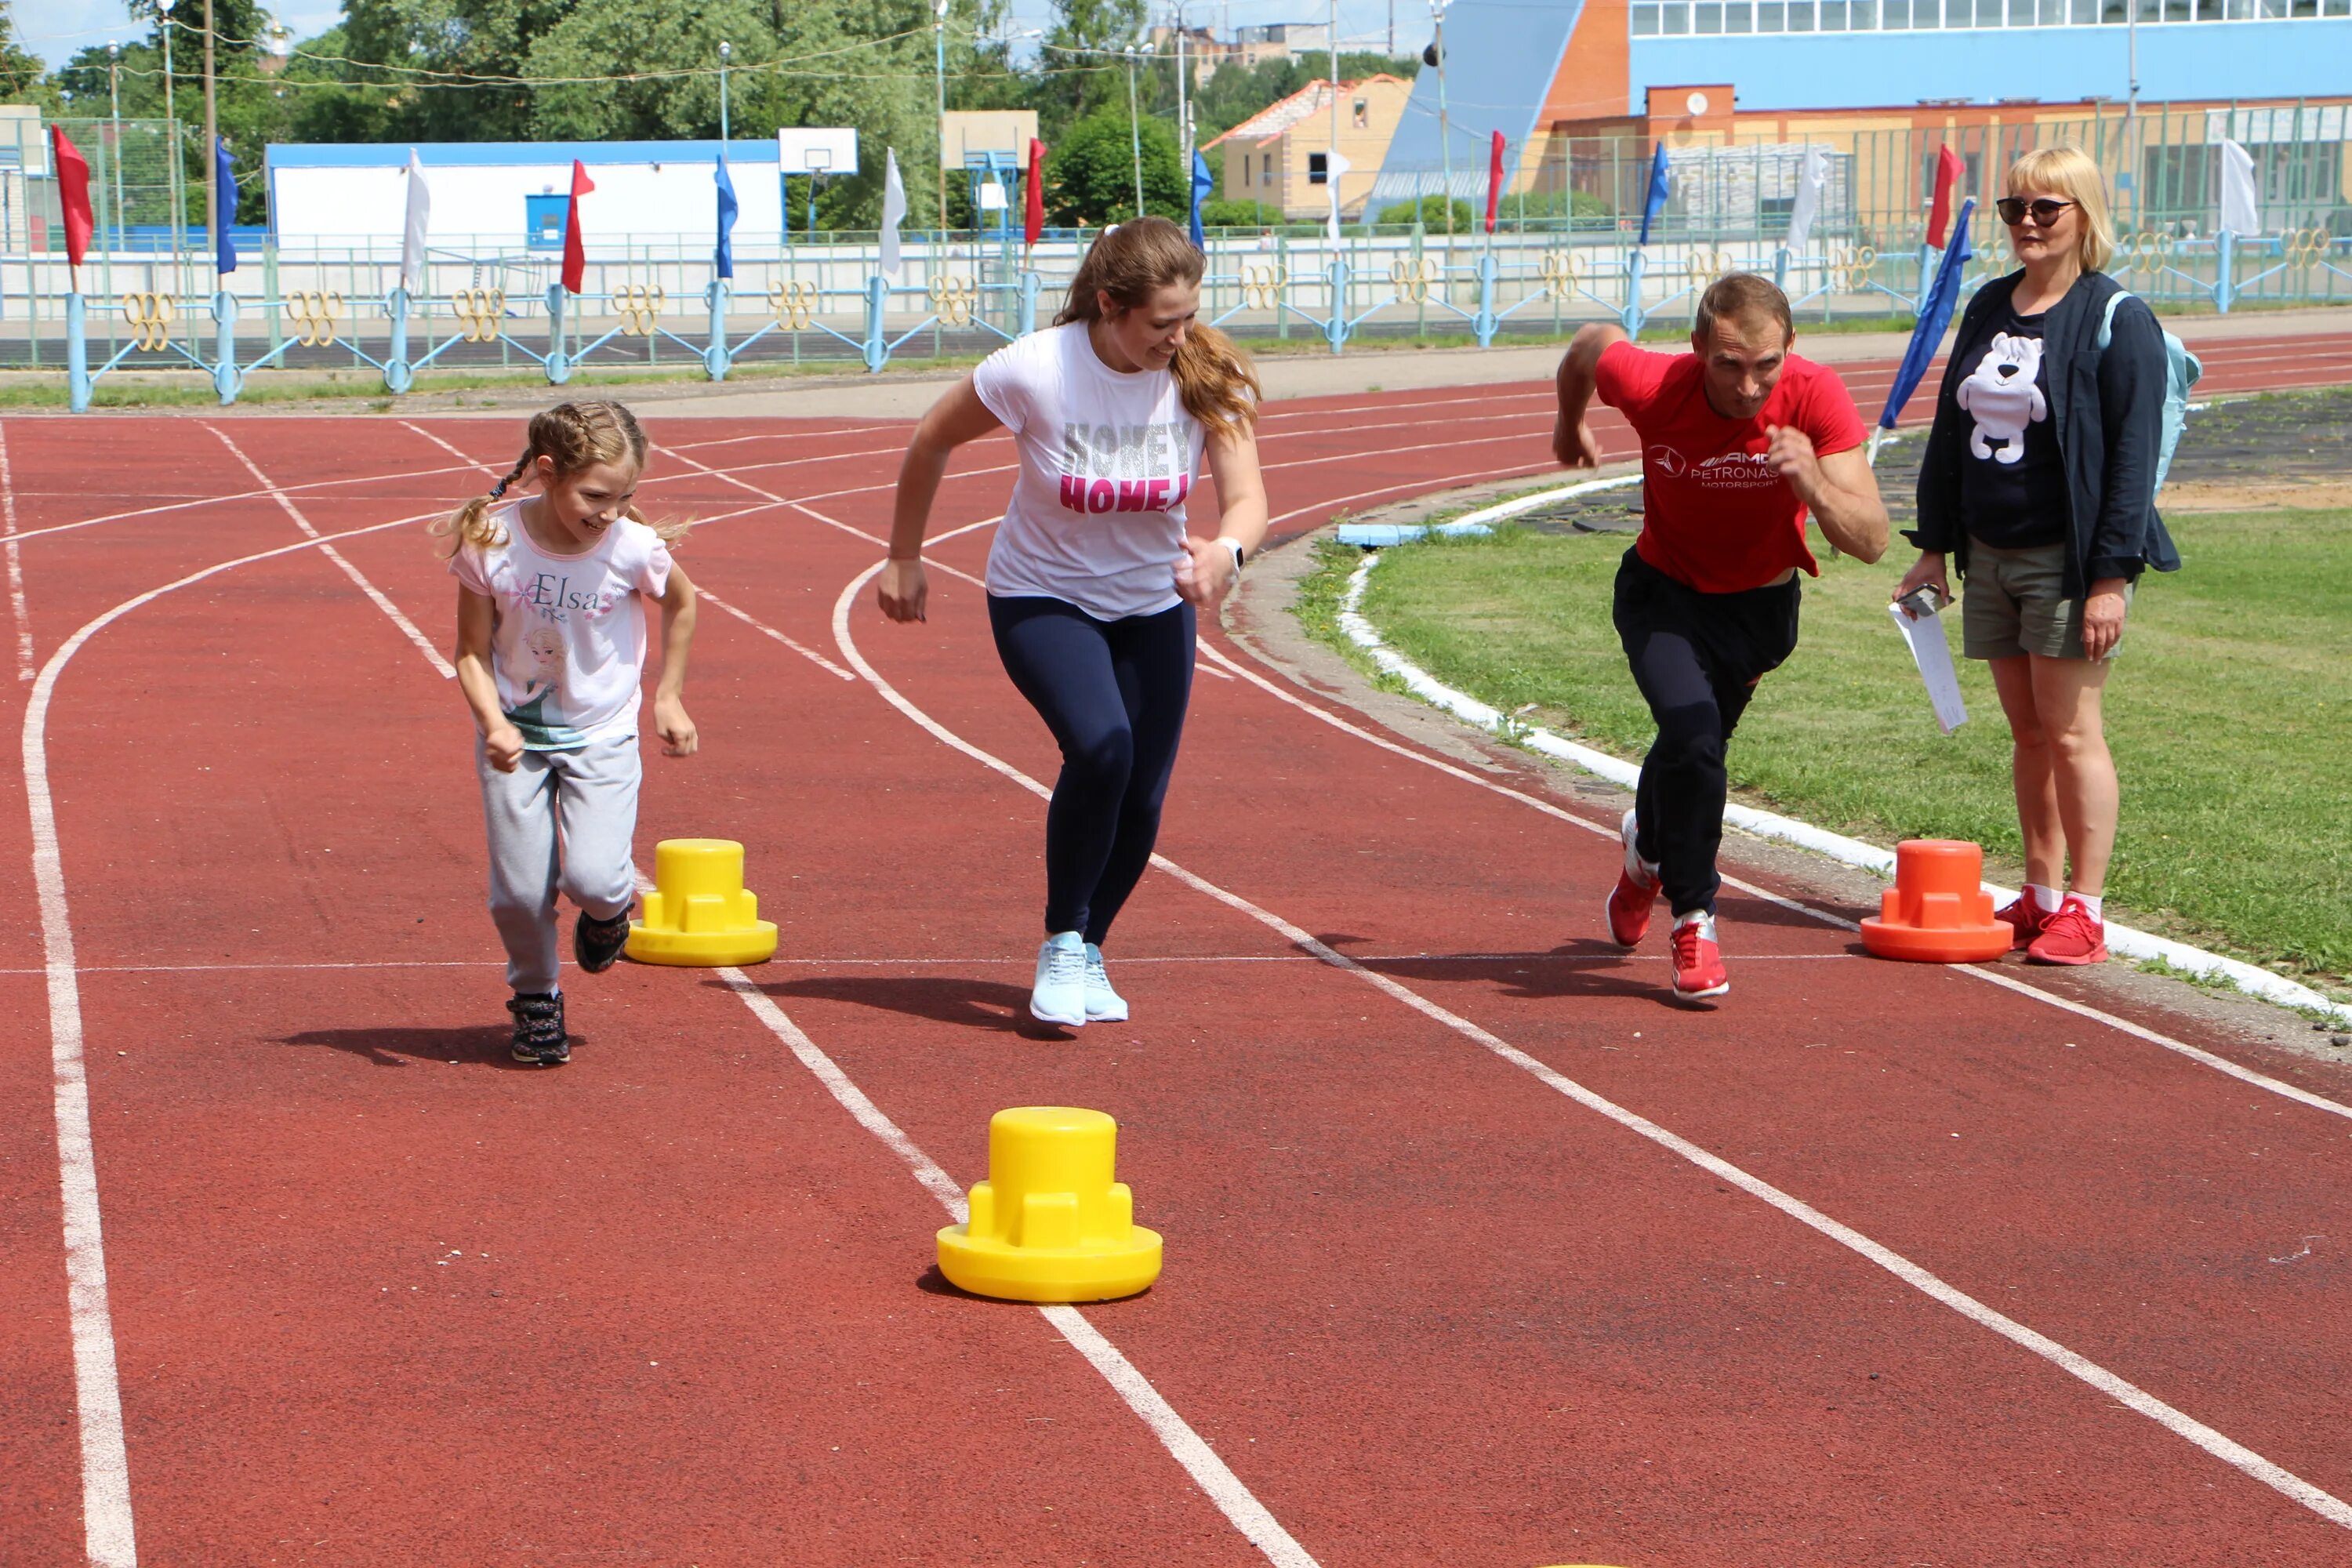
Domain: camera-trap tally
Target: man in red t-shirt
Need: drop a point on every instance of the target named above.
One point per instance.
(1739, 437)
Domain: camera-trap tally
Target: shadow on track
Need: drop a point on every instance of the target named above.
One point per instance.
(944, 999)
(474, 1045)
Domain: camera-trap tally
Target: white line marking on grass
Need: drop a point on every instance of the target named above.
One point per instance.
(2121, 939)
(375, 594)
(107, 1526)
(2074, 1364)
(16, 565)
(1211, 1473)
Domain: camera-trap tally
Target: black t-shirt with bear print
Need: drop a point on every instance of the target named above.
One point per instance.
(2012, 482)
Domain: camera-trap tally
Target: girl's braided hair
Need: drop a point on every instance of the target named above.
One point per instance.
(574, 435)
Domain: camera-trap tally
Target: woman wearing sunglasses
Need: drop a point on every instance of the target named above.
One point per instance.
(2038, 485)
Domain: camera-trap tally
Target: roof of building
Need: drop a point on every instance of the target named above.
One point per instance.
(1277, 118)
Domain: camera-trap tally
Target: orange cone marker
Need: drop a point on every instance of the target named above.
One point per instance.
(1937, 912)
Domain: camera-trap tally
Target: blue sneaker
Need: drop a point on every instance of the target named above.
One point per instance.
(1104, 1005)
(1059, 994)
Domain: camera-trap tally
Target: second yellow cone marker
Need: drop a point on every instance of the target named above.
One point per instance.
(1050, 1224)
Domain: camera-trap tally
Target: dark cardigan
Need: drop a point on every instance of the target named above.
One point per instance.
(2106, 409)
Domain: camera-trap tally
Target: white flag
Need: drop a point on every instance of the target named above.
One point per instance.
(1335, 164)
(412, 239)
(1814, 175)
(894, 211)
(2242, 209)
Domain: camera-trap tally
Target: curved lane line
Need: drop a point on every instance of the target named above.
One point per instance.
(2172, 1419)
(107, 1521)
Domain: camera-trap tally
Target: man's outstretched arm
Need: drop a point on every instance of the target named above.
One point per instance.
(1573, 441)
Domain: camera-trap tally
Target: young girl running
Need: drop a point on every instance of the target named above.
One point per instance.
(550, 654)
(1092, 581)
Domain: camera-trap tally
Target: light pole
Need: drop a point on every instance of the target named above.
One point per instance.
(1183, 99)
(1445, 128)
(114, 101)
(214, 228)
(725, 49)
(172, 173)
(1135, 129)
(940, 45)
(1333, 161)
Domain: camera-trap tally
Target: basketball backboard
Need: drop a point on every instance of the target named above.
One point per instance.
(815, 150)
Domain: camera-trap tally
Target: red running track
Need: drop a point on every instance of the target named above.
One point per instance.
(1482, 1252)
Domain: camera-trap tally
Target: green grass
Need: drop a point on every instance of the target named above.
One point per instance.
(2228, 712)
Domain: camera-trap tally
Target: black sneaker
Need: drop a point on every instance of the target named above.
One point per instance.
(597, 944)
(539, 1037)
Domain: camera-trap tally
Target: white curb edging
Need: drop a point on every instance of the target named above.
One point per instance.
(2123, 941)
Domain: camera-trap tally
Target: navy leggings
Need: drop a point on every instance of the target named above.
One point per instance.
(1114, 694)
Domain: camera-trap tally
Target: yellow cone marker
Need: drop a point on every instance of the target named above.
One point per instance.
(1049, 1224)
(699, 912)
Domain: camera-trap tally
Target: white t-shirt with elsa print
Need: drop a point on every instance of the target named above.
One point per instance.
(569, 646)
(1097, 518)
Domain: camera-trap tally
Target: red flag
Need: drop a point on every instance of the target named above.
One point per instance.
(73, 194)
(1033, 220)
(575, 251)
(1494, 180)
(1949, 169)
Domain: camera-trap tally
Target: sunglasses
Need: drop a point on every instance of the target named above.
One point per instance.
(2045, 209)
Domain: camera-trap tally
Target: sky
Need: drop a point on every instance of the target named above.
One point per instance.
(55, 30)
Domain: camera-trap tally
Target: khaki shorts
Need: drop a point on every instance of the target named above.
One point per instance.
(2013, 604)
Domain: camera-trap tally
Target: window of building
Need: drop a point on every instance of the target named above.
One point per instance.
(1363, 114)
(1269, 169)
(1677, 18)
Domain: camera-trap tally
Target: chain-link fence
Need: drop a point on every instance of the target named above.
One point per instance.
(1564, 252)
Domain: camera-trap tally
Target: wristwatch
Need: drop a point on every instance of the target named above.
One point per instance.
(1241, 556)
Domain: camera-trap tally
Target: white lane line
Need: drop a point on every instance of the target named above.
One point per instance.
(765, 630)
(375, 594)
(944, 960)
(1207, 1470)
(228, 497)
(1975, 972)
(16, 565)
(109, 1538)
(2228, 1450)
(1210, 1473)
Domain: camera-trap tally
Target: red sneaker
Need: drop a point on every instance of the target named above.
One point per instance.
(2070, 936)
(1630, 901)
(2025, 918)
(1699, 963)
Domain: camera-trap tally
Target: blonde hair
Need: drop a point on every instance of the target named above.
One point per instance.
(2069, 171)
(1133, 262)
(573, 436)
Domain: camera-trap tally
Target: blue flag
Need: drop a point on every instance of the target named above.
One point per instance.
(725, 257)
(1656, 203)
(225, 205)
(1935, 315)
(1203, 183)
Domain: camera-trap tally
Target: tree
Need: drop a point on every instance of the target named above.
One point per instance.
(23, 77)
(1430, 210)
(1091, 176)
(1081, 74)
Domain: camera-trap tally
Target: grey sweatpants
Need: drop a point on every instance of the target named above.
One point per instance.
(561, 820)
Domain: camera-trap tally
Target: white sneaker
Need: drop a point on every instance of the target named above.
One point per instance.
(1104, 1005)
(1059, 995)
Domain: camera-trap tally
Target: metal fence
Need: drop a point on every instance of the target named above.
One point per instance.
(493, 303)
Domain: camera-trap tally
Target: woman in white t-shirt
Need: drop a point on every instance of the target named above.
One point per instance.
(1093, 581)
